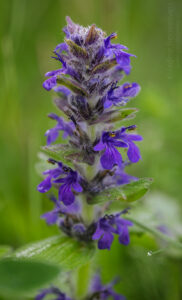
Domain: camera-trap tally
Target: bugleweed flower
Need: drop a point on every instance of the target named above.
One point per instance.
(67, 184)
(104, 292)
(52, 291)
(53, 133)
(60, 209)
(97, 291)
(120, 95)
(89, 94)
(110, 225)
(46, 184)
(119, 138)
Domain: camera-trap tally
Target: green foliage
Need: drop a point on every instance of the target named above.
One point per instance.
(74, 87)
(116, 115)
(4, 250)
(126, 193)
(60, 152)
(22, 277)
(123, 114)
(63, 251)
(156, 233)
(103, 67)
(76, 50)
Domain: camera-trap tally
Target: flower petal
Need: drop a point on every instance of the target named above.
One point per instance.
(124, 237)
(77, 187)
(66, 195)
(106, 241)
(45, 185)
(98, 233)
(50, 83)
(52, 135)
(135, 137)
(100, 146)
(133, 152)
(50, 217)
(110, 158)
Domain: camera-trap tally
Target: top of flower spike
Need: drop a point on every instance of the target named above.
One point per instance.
(87, 84)
(82, 35)
(86, 55)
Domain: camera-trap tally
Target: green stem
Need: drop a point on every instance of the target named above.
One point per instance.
(157, 233)
(84, 273)
(83, 279)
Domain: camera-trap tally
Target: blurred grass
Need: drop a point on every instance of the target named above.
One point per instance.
(29, 31)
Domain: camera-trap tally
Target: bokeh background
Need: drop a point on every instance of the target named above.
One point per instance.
(29, 31)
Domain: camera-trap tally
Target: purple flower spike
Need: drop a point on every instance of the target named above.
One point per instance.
(104, 292)
(53, 133)
(87, 83)
(69, 183)
(110, 225)
(111, 155)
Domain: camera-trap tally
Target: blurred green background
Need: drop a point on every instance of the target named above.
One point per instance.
(29, 31)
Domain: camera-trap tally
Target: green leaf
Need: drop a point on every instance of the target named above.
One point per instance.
(60, 250)
(116, 115)
(21, 277)
(104, 66)
(76, 50)
(92, 35)
(157, 233)
(126, 193)
(123, 114)
(4, 250)
(60, 152)
(74, 87)
(42, 164)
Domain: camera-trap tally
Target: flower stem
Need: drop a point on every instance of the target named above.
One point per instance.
(157, 233)
(83, 279)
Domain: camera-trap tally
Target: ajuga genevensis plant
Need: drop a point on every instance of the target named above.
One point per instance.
(87, 174)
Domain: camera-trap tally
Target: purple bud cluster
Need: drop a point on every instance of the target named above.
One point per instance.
(91, 98)
(97, 291)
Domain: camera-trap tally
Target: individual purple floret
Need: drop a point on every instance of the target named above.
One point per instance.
(133, 151)
(46, 184)
(119, 178)
(119, 138)
(66, 184)
(104, 292)
(54, 291)
(53, 216)
(69, 183)
(120, 95)
(110, 225)
(53, 133)
(111, 156)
